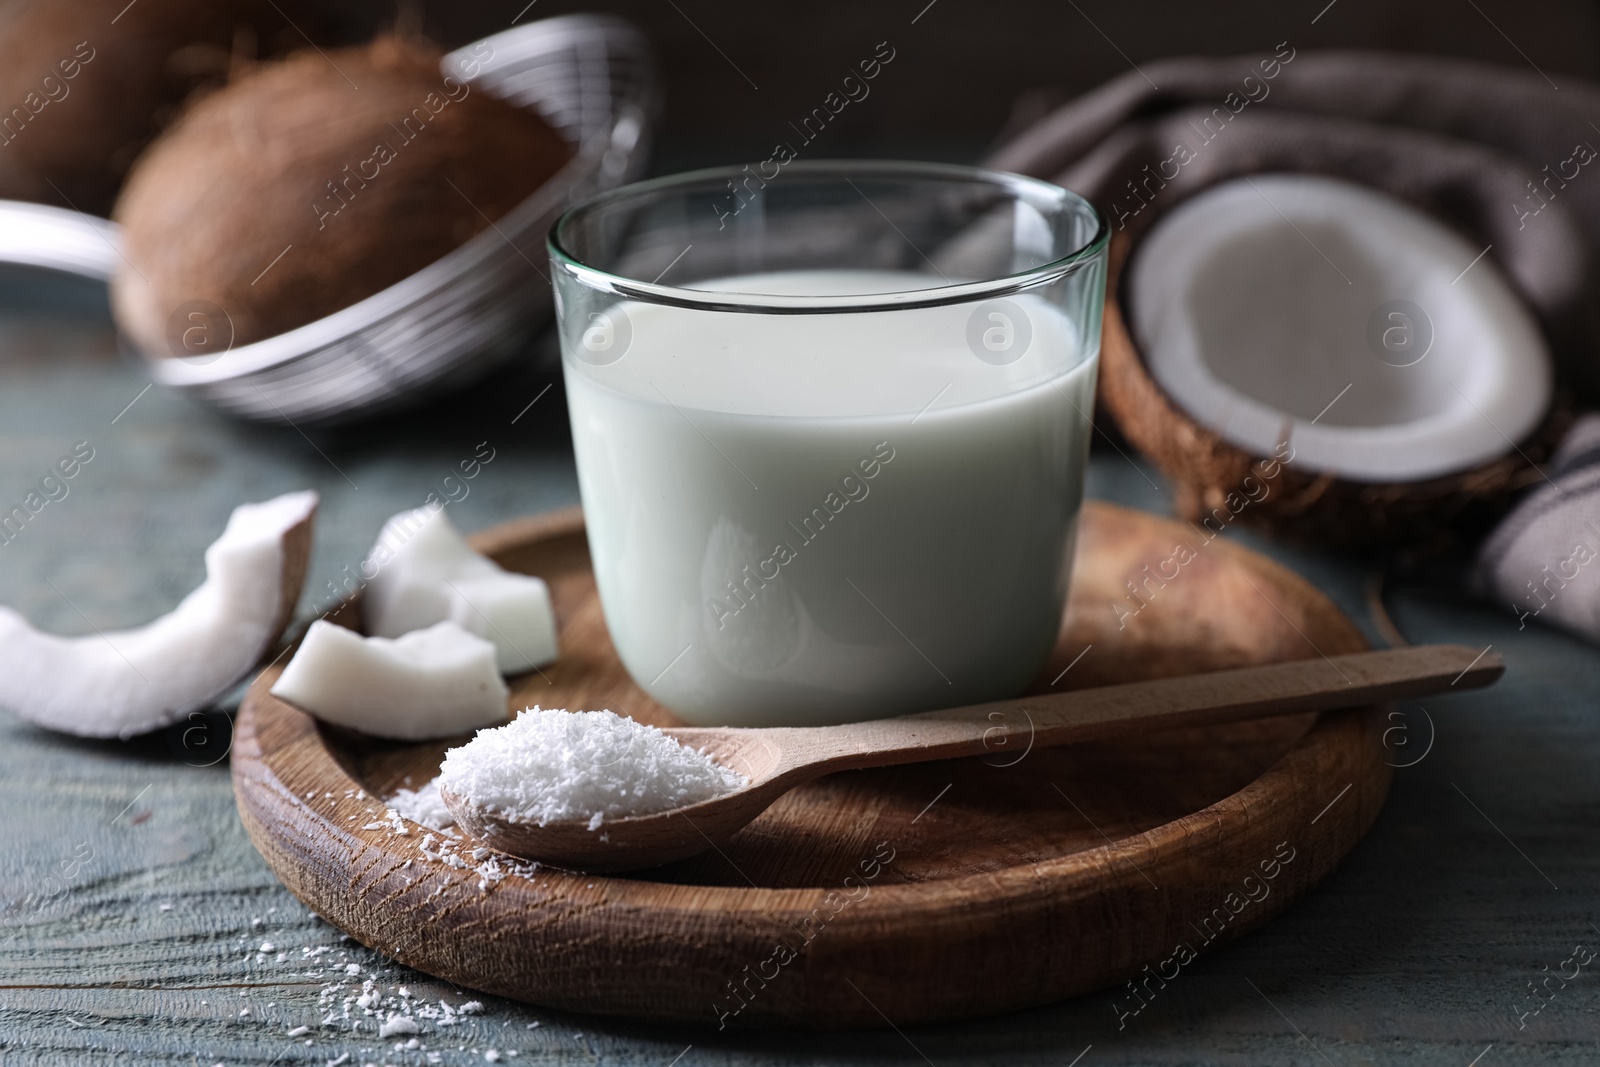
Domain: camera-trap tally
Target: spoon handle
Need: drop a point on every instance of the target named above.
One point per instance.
(1295, 687)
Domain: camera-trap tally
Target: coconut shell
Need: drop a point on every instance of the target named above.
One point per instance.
(1219, 485)
(313, 183)
(84, 86)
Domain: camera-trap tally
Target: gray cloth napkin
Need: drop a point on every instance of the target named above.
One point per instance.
(1543, 558)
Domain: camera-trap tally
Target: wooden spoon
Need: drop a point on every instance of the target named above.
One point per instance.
(776, 759)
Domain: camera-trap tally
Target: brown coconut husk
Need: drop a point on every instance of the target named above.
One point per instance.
(313, 183)
(84, 86)
(1218, 485)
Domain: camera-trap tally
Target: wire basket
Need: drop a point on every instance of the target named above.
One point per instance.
(591, 77)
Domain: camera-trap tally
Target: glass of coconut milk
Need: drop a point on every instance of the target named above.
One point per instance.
(831, 425)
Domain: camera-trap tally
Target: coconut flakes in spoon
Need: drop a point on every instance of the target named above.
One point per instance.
(551, 765)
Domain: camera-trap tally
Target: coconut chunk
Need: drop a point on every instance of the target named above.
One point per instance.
(426, 573)
(511, 610)
(133, 681)
(1372, 341)
(434, 682)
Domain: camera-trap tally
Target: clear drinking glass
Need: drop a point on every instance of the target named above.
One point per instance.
(831, 426)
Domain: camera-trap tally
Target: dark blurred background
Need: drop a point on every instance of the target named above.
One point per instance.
(738, 72)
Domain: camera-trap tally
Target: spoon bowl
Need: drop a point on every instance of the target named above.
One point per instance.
(640, 841)
(776, 759)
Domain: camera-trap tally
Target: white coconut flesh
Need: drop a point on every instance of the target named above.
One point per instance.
(435, 682)
(1254, 306)
(424, 572)
(118, 684)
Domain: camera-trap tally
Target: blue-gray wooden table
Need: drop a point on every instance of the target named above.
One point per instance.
(139, 926)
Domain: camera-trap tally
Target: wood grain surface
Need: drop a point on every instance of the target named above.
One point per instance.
(915, 893)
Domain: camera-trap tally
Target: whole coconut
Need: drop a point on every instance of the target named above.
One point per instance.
(85, 85)
(313, 183)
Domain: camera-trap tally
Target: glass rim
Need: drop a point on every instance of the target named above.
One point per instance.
(773, 304)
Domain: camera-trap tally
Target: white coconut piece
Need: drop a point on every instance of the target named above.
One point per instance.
(1257, 305)
(133, 681)
(435, 682)
(416, 553)
(511, 610)
(425, 572)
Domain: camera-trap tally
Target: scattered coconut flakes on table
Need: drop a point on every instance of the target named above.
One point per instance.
(551, 765)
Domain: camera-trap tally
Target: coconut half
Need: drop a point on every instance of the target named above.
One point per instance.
(424, 572)
(436, 682)
(1379, 361)
(134, 681)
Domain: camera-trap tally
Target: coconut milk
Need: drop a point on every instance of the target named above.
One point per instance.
(803, 519)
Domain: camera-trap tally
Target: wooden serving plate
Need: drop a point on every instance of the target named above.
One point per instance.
(903, 895)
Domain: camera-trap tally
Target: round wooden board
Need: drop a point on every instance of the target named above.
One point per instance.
(903, 895)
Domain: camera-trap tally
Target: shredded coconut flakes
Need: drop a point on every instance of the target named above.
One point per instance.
(558, 766)
(422, 806)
